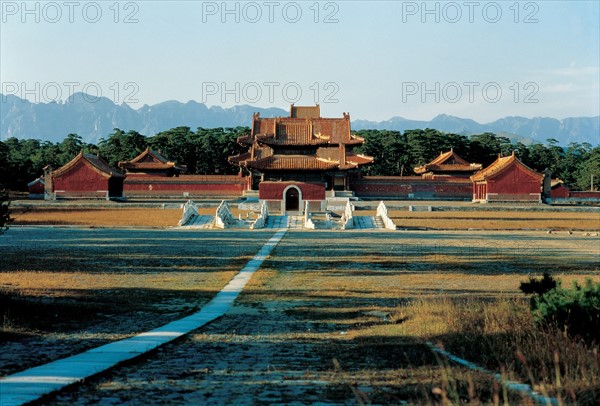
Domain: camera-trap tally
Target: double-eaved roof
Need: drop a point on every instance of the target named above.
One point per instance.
(303, 141)
(447, 163)
(150, 160)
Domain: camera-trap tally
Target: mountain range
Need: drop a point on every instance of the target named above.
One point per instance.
(94, 120)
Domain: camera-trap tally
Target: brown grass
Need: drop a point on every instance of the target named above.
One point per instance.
(500, 335)
(454, 288)
(498, 220)
(156, 217)
(469, 304)
(105, 217)
(105, 284)
(97, 217)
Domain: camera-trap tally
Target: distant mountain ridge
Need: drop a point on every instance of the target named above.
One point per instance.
(527, 130)
(94, 120)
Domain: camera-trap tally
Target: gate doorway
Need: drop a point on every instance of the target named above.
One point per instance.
(292, 199)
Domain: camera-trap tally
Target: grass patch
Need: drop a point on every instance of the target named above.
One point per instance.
(105, 217)
(96, 217)
(501, 335)
(332, 317)
(60, 284)
(498, 220)
(371, 300)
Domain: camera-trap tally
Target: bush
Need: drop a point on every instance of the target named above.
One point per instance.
(4, 211)
(577, 310)
(539, 286)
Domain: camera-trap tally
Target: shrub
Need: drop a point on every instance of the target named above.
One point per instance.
(539, 286)
(576, 310)
(4, 211)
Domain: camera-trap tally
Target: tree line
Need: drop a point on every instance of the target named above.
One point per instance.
(205, 151)
(398, 153)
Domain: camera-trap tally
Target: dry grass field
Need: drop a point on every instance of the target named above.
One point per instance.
(498, 220)
(103, 217)
(65, 290)
(444, 220)
(96, 216)
(343, 318)
(378, 297)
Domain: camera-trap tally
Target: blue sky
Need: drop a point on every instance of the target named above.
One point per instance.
(480, 60)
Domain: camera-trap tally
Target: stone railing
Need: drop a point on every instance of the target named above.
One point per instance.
(348, 217)
(262, 217)
(224, 218)
(308, 223)
(383, 213)
(189, 210)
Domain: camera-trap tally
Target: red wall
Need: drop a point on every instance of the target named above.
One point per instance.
(80, 178)
(514, 184)
(402, 186)
(37, 188)
(560, 191)
(274, 190)
(515, 181)
(193, 185)
(583, 194)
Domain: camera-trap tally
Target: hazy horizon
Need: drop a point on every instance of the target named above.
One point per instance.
(376, 60)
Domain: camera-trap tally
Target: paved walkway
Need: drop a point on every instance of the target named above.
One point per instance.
(296, 222)
(200, 222)
(31, 384)
(277, 222)
(366, 222)
(285, 221)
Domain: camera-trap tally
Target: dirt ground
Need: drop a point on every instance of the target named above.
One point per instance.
(501, 218)
(323, 320)
(103, 217)
(64, 290)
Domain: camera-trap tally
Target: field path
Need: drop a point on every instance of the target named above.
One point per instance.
(331, 319)
(31, 384)
(283, 342)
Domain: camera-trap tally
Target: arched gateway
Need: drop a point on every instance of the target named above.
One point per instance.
(292, 199)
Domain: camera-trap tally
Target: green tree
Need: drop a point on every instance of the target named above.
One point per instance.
(70, 147)
(388, 148)
(424, 145)
(121, 146)
(176, 144)
(5, 218)
(4, 165)
(215, 146)
(522, 152)
(18, 167)
(485, 148)
(588, 173)
(540, 158)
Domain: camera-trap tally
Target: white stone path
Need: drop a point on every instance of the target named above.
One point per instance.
(200, 222)
(31, 384)
(277, 222)
(365, 222)
(285, 221)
